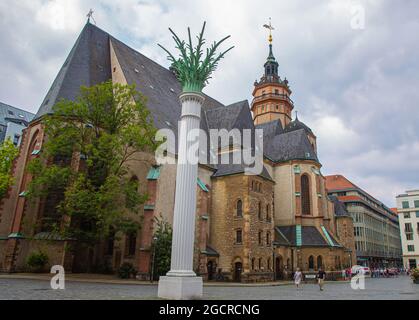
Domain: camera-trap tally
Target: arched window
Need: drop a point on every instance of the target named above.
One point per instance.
(239, 236)
(130, 243)
(239, 208)
(311, 262)
(260, 238)
(253, 263)
(319, 262)
(268, 213)
(260, 210)
(305, 195)
(260, 263)
(269, 264)
(268, 239)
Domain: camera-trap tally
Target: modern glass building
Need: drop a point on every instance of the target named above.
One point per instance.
(376, 227)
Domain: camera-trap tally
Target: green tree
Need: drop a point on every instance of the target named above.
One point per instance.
(105, 130)
(162, 248)
(8, 153)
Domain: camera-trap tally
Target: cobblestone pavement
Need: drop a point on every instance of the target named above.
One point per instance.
(401, 288)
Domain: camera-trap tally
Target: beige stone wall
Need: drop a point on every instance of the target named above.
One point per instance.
(332, 258)
(224, 223)
(284, 194)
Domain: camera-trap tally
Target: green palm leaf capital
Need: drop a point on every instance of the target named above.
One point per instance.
(191, 68)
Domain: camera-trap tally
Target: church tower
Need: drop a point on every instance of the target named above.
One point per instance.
(272, 94)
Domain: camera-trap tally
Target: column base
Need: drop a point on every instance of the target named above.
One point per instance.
(180, 288)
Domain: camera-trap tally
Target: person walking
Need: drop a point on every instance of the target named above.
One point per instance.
(298, 277)
(321, 276)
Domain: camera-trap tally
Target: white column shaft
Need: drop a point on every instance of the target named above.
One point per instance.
(185, 199)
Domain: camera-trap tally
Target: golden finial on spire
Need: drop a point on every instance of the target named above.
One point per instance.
(270, 27)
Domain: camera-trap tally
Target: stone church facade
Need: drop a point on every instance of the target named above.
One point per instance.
(249, 228)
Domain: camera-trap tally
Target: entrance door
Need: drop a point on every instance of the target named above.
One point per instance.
(238, 267)
(210, 269)
(278, 269)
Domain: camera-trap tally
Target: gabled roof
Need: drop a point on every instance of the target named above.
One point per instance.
(233, 116)
(290, 146)
(310, 237)
(87, 64)
(270, 130)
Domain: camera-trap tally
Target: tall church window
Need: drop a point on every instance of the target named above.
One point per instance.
(268, 239)
(311, 262)
(130, 244)
(305, 195)
(239, 208)
(260, 210)
(319, 262)
(268, 213)
(239, 237)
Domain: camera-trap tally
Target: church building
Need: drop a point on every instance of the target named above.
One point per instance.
(249, 228)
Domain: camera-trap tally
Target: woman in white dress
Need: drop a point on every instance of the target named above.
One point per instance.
(298, 277)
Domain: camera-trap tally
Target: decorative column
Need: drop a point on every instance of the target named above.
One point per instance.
(181, 281)
(193, 73)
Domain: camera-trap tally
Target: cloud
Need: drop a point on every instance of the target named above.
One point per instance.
(357, 89)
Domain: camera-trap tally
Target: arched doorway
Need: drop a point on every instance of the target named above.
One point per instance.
(238, 267)
(311, 263)
(210, 270)
(279, 272)
(319, 262)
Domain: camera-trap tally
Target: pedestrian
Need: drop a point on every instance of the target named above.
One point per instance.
(321, 276)
(298, 277)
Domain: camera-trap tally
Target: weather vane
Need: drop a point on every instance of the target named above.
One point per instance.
(90, 16)
(270, 27)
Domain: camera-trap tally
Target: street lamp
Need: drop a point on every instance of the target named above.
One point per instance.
(154, 255)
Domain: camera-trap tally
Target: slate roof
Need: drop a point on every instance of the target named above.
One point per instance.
(292, 145)
(271, 129)
(340, 208)
(310, 236)
(87, 64)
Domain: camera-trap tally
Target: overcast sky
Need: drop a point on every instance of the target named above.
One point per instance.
(357, 88)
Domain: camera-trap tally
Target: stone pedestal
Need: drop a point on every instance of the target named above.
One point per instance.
(181, 282)
(180, 288)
